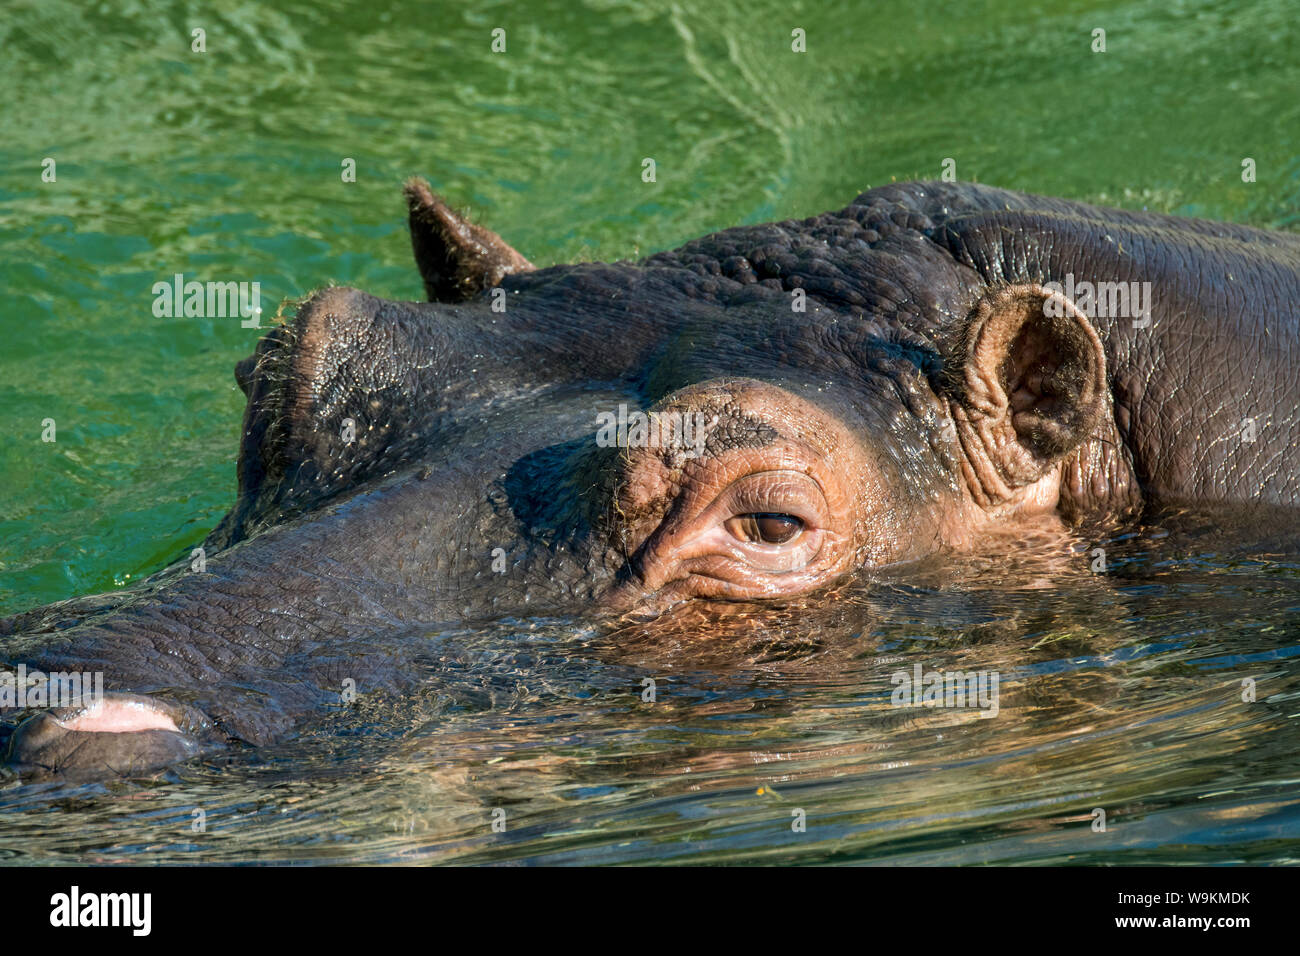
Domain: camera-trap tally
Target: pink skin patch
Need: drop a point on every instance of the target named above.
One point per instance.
(119, 717)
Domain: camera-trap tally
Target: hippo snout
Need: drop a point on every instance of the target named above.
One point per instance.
(117, 734)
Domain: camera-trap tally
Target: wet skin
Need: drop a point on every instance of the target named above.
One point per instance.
(917, 374)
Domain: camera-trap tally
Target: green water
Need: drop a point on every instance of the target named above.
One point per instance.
(225, 165)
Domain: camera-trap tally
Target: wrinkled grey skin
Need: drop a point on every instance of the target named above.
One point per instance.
(474, 431)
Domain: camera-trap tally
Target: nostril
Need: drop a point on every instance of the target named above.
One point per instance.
(118, 717)
(118, 735)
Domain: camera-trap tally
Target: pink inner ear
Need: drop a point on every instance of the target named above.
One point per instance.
(119, 717)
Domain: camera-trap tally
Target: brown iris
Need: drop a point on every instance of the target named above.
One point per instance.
(765, 527)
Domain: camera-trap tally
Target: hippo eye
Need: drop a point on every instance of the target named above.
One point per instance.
(765, 527)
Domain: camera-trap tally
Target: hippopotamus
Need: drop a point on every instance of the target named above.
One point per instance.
(753, 416)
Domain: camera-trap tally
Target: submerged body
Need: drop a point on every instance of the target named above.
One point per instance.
(931, 369)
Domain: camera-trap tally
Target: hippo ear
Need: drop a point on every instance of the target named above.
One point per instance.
(457, 259)
(1032, 386)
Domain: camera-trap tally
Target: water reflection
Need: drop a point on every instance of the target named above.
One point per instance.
(1121, 692)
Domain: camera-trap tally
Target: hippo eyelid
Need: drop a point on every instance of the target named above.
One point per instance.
(787, 493)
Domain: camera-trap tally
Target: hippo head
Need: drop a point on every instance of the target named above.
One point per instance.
(752, 415)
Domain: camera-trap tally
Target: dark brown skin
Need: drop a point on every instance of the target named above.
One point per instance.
(939, 392)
